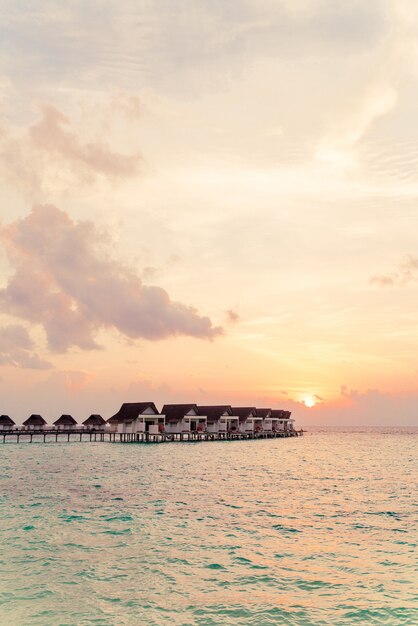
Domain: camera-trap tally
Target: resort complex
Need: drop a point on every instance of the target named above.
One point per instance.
(142, 422)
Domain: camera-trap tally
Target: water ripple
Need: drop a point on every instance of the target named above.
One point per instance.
(319, 530)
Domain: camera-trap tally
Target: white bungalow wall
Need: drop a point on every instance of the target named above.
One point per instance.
(173, 427)
(213, 427)
(247, 425)
(251, 424)
(232, 423)
(196, 423)
(122, 427)
(189, 418)
(221, 425)
(192, 421)
(258, 425)
(149, 422)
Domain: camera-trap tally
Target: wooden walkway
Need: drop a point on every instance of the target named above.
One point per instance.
(18, 435)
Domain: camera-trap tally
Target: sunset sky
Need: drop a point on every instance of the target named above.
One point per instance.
(210, 201)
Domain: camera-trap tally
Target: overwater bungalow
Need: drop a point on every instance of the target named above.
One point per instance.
(34, 422)
(283, 421)
(249, 422)
(94, 422)
(65, 422)
(219, 418)
(267, 420)
(6, 422)
(141, 422)
(183, 418)
(136, 417)
(290, 421)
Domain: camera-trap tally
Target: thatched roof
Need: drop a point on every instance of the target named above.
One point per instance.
(280, 413)
(5, 420)
(176, 412)
(244, 411)
(65, 420)
(264, 412)
(129, 411)
(214, 412)
(94, 420)
(34, 420)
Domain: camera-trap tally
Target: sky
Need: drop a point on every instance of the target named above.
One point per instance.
(212, 202)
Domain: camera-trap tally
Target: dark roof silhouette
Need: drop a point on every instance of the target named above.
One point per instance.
(244, 411)
(129, 411)
(264, 412)
(281, 413)
(34, 420)
(94, 420)
(176, 412)
(65, 420)
(6, 420)
(214, 412)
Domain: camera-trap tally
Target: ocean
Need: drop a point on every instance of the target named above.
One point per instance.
(320, 529)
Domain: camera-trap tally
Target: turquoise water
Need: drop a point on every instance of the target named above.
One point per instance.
(314, 530)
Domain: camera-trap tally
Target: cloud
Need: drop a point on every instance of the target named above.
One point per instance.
(64, 281)
(16, 349)
(51, 154)
(149, 272)
(74, 381)
(353, 408)
(232, 316)
(377, 99)
(52, 134)
(383, 280)
(404, 273)
(375, 407)
(164, 41)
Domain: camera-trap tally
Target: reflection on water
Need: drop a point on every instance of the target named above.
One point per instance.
(314, 530)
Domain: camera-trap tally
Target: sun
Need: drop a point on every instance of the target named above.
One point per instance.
(309, 401)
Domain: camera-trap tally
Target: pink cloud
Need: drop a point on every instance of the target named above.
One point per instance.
(357, 409)
(405, 272)
(16, 349)
(232, 316)
(63, 282)
(52, 134)
(51, 153)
